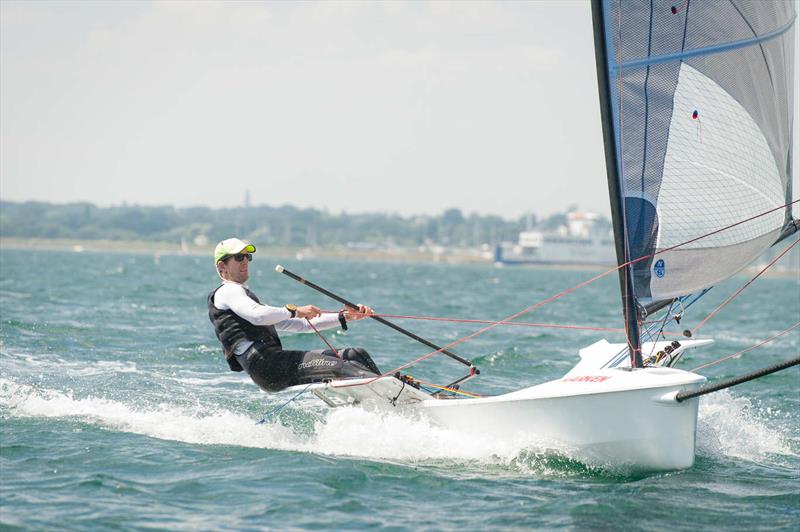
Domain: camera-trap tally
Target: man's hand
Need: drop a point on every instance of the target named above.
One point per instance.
(308, 311)
(355, 315)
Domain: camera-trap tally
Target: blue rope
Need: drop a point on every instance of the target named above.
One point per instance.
(277, 410)
(667, 316)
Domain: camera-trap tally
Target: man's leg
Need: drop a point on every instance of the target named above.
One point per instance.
(359, 355)
(318, 366)
(275, 370)
(271, 370)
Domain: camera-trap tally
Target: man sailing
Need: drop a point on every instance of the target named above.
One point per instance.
(248, 330)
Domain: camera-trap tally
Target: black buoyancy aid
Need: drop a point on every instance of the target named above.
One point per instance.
(231, 329)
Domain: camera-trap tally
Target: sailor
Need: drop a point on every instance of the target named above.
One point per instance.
(248, 329)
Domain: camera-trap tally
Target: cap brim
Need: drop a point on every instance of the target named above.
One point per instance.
(248, 248)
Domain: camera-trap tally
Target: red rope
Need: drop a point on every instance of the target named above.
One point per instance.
(739, 291)
(796, 325)
(570, 290)
(512, 323)
(581, 285)
(495, 324)
(323, 338)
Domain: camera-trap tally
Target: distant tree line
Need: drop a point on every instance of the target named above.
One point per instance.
(286, 225)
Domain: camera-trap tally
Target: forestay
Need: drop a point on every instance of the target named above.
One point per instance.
(700, 100)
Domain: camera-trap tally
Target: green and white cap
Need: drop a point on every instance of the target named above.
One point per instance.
(231, 246)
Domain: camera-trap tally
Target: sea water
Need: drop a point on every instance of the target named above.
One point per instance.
(117, 410)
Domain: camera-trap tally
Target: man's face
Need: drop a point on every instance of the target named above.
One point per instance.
(235, 270)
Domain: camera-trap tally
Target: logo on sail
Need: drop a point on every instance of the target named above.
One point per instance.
(659, 268)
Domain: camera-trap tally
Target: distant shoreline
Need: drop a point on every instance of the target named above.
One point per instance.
(445, 256)
(455, 256)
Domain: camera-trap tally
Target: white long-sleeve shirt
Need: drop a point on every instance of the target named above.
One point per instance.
(231, 296)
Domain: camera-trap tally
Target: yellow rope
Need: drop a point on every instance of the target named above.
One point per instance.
(445, 388)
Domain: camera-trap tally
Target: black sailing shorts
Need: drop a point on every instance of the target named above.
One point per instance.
(273, 370)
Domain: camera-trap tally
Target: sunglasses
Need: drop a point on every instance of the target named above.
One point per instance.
(239, 257)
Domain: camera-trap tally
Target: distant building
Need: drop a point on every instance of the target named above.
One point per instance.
(583, 240)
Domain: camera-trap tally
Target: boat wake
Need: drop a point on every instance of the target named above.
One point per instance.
(728, 427)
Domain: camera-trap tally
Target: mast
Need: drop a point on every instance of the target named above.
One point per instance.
(629, 306)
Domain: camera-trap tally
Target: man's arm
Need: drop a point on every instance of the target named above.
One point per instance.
(232, 296)
(300, 325)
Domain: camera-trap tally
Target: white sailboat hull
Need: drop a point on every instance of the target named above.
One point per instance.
(608, 417)
(641, 428)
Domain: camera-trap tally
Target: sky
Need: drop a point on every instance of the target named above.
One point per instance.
(409, 108)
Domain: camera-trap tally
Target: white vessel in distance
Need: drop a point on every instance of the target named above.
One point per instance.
(585, 238)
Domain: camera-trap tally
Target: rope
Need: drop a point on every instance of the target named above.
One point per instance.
(445, 388)
(739, 291)
(796, 325)
(581, 285)
(512, 323)
(495, 324)
(568, 291)
(649, 331)
(323, 338)
(276, 411)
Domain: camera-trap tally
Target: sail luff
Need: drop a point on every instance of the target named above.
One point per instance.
(610, 137)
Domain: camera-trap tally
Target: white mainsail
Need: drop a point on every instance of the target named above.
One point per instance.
(699, 121)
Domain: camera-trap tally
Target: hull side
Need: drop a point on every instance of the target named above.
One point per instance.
(642, 429)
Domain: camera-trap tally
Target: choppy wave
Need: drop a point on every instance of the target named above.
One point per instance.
(728, 426)
(350, 432)
(731, 426)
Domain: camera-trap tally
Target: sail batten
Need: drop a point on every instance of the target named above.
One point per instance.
(644, 61)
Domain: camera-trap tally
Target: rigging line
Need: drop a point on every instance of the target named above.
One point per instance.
(720, 230)
(278, 409)
(565, 292)
(445, 388)
(560, 294)
(660, 329)
(323, 338)
(796, 325)
(596, 277)
(621, 355)
(495, 324)
(739, 291)
(512, 323)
